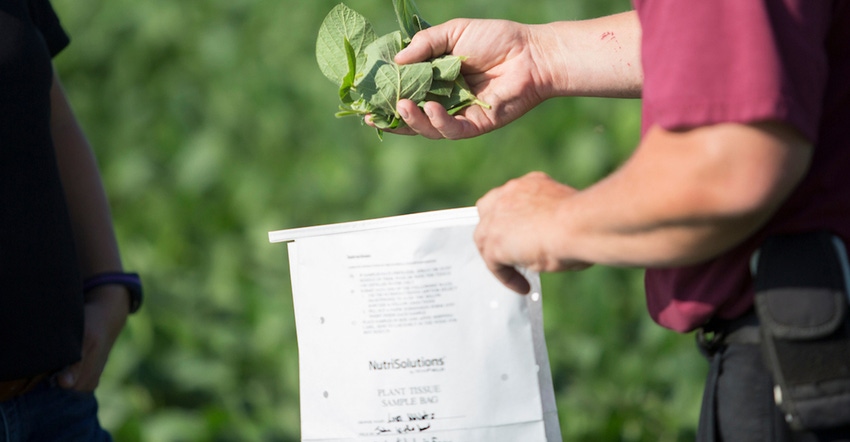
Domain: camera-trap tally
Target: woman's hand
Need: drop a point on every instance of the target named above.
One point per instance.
(105, 315)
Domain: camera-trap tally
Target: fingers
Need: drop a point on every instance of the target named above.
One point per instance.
(105, 314)
(506, 274)
(429, 43)
(77, 377)
(431, 121)
(485, 203)
(67, 378)
(417, 120)
(513, 228)
(512, 279)
(404, 130)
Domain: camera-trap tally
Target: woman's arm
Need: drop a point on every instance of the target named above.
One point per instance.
(106, 306)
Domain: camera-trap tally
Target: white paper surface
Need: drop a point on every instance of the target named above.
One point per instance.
(405, 336)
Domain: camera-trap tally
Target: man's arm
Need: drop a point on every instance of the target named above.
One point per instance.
(514, 67)
(592, 58)
(106, 306)
(682, 198)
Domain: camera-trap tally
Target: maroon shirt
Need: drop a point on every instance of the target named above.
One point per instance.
(743, 61)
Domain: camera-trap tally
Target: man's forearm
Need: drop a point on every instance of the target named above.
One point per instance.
(684, 197)
(596, 57)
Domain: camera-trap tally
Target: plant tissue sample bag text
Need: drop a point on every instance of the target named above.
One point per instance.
(404, 335)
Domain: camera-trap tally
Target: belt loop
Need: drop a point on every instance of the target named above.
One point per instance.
(709, 346)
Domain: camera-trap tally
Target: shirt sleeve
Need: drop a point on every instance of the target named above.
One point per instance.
(735, 61)
(48, 24)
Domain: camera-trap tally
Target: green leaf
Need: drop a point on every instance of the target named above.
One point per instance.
(384, 82)
(389, 82)
(442, 88)
(459, 98)
(370, 80)
(447, 67)
(466, 93)
(409, 18)
(384, 48)
(384, 122)
(420, 23)
(348, 80)
(357, 107)
(415, 80)
(451, 101)
(339, 25)
(347, 113)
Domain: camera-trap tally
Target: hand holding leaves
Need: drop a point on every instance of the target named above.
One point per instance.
(362, 64)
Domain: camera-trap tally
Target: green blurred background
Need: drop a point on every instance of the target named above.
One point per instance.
(213, 126)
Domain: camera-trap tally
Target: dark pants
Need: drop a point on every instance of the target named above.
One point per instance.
(738, 404)
(49, 413)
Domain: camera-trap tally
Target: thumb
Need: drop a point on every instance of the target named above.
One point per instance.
(512, 279)
(426, 44)
(67, 378)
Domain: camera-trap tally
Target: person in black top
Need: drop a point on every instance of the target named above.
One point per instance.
(64, 297)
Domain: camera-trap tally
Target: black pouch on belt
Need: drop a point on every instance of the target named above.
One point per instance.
(801, 284)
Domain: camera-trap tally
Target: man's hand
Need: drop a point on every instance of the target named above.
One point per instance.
(682, 198)
(516, 222)
(513, 67)
(500, 69)
(105, 314)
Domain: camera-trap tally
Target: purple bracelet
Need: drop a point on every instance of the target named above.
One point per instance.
(130, 281)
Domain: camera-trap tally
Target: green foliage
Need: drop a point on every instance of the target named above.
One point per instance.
(409, 18)
(370, 81)
(213, 127)
(342, 29)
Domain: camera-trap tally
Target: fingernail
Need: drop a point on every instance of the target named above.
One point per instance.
(403, 114)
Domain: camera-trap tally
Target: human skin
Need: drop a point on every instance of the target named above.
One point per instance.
(683, 197)
(106, 306)
(521, 66)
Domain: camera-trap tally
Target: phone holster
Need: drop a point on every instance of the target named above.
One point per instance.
(801, 299)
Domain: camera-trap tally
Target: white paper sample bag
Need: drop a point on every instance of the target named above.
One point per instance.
(405, 336)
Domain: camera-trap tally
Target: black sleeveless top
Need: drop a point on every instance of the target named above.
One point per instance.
(41, 301)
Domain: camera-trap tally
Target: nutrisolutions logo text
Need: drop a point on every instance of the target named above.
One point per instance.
(401, 364)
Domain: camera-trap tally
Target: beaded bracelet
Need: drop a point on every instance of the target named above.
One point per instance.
(130, 281)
